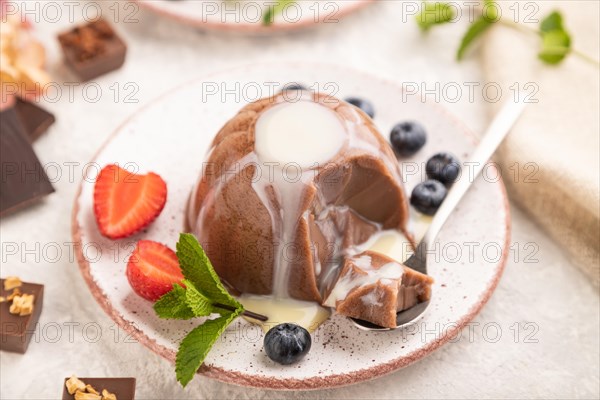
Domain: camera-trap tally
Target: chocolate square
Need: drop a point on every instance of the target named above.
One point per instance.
(122, 388)
(22, 177)
(16, 331)
(92, 49)
(35, 119)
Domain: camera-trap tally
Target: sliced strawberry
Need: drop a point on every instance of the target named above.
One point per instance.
(152, 269)
(125, 202)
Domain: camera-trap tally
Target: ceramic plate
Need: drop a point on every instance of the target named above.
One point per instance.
(171, 136)
(246, 15)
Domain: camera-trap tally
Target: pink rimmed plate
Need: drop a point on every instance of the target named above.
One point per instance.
(171, 135)
(245, 16)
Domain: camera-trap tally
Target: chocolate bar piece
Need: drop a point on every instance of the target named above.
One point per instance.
(122, 388)
(16, 331)
(22, 177)
(34, 118)
(92, 49)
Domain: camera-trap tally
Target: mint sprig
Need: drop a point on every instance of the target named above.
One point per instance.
(554, 21)
(198, 303)
(434, 14)
(173, 305)
(195, 346)
(555, 40)
(273, 10)
(197, 269)
(475, 30)
(200, 295)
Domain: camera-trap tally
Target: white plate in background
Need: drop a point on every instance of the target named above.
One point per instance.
(245, 16)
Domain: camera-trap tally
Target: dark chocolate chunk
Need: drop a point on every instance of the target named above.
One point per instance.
(16, 331)
(34, 118)
(22, 177)
(122, 388)
(92, 49)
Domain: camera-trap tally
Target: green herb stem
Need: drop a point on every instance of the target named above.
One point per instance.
(517, 26)
(247, 313)
(527, 29)
(586, 57)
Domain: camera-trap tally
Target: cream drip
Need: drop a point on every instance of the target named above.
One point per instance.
(390, 243)
(291, 139)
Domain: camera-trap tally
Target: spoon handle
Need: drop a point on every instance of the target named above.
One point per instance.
(492, 138)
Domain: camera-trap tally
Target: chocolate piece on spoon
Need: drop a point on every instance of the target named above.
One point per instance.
(22, 179)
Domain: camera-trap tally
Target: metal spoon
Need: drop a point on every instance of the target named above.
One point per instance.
(496, 132)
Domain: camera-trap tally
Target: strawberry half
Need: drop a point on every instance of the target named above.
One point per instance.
(125, 202)
(152, 269)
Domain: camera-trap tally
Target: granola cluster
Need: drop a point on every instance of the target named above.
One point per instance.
(22, 303)
(82, 391)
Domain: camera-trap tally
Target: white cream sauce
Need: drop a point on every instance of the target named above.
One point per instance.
(391, 243)
(307, 314)
(304, 133)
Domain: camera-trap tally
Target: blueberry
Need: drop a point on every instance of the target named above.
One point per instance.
(294, 86)
(407, 138)
(363, 104)
(443, 167)
(287, 343)
(427, 196)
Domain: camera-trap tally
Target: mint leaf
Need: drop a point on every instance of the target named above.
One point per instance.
(196, 268)
(273, 10)
(434, 14)
(556, 42)
(556, 45)
(476, 29)
(552, 22)
(204, 294)
(200, 305)
(490, 11)
(173, 305)
(196, 345)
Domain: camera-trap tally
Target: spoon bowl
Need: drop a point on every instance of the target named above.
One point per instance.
(403, 318)
(494, 135)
